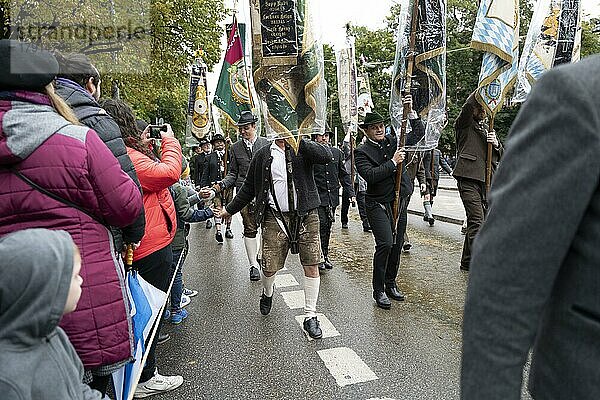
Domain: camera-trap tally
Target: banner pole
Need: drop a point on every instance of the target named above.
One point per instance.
(407, 90)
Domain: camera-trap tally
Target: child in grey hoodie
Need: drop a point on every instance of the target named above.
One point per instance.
(40, 283)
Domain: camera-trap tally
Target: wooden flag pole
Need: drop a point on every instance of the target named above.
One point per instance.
(488, 168)
(405, 111)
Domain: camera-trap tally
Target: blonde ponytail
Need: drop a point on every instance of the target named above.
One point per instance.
(60, 105)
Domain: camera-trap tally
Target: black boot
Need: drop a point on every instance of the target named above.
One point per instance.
(382, 300)
(265, 303)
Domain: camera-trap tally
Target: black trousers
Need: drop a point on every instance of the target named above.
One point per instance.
(326, 217)
(345, 206)
(156, 270)
(472, 193)
(386, 259)
(362, 208)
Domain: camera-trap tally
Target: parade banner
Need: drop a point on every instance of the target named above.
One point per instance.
(554, 38)
(365, 101)
(496, 32)
(233, 95)
(198, 112)
(288, 68)
(347, 86)
(428, 84)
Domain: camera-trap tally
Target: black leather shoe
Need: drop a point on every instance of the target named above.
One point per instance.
(228, 233)
(382, 300)
(406, 246)
(254, 274)
(425, 218)
(431, 221)
(394, 294)
(311, 326)
(163, 337)
(328, 263)
(345, 226)
(322, 267)
(265, 304)
(219, 237)
(208, 224)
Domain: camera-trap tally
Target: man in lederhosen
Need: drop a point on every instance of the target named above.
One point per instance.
(283, 186)
(240, 155)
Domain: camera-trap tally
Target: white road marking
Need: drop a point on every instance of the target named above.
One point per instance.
(326, 326)
(294, 299)
(346, 366)
(285, 280)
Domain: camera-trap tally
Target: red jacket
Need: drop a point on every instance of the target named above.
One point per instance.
(156, 177)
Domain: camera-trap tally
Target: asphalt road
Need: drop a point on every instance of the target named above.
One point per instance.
(227, 350)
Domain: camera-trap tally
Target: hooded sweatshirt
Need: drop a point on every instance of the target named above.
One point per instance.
(73, 163)
(37, 361)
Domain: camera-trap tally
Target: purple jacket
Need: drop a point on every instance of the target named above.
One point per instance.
(73, 163)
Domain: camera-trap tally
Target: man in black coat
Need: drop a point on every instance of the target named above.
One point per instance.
(328, 178)
(535, 282)
(283, 186)
(214, 170)
(376, 161)
(78, 84)
(240, 154)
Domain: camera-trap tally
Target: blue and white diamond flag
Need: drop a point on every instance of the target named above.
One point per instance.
(496, 32)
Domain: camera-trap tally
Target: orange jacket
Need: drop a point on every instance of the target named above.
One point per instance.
(155, 178)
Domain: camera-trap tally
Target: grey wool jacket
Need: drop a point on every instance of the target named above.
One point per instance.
(239, 162)
(37, 361)
(535, 271)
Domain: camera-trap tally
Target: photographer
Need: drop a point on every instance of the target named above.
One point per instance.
(154, 257)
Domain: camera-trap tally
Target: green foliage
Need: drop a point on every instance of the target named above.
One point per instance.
(590, 37)
(151, 68)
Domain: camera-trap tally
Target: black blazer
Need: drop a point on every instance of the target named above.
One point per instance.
(328, 178)
(212, 170)
(374, 163)
(256, 186)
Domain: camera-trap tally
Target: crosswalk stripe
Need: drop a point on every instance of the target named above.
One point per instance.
(285, 280)
(294, 299)
(346, 366)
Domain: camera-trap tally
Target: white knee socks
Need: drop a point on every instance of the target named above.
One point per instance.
(251, 249)
(268, 282)
(428, 211)
(311, 294)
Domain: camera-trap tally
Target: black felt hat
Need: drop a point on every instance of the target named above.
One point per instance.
(372, 119)
(246, 118)
(216, 137)
(203, 141)
(25, 66)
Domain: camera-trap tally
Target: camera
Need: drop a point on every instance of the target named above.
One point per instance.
(156, 129)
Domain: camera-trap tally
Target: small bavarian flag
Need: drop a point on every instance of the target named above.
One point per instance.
(497, 33)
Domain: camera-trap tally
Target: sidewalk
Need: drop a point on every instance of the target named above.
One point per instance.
(447, 206)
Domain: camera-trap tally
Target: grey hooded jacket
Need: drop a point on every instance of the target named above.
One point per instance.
(37, 361)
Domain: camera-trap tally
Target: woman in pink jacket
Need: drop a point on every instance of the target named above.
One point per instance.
(42, 144)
